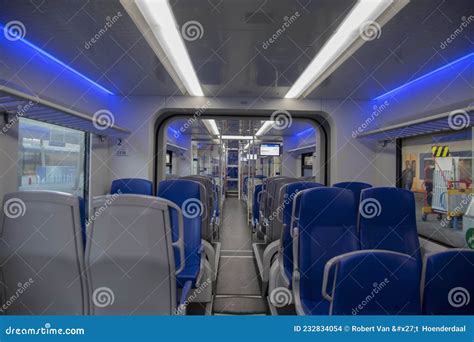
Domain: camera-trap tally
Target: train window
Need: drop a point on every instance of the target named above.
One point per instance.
(438, 169)
(51, 157)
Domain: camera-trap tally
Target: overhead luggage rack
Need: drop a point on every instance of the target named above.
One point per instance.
(18, 104)
(448, 121)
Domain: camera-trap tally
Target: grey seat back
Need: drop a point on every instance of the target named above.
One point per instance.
(276, 224)
(268, 195)
(130, 258)
(41, 253)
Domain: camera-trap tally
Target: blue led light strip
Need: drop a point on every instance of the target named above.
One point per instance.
(307, 130)
(426, 75)
(44, 53)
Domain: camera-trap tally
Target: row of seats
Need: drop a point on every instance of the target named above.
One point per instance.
(197, 198)
(274, 202)
(210, 197)
(143, 256)
(368, 231)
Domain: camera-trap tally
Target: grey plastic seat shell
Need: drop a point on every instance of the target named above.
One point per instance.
(265, 201)
(130, 259)
(42, 241)
(275, 226)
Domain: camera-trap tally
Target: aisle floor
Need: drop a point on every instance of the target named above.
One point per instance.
(238, 289)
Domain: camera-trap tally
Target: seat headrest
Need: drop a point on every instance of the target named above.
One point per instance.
(179, 190)
(326, 206)
(387, 206)
(136, 186)
(369, 282)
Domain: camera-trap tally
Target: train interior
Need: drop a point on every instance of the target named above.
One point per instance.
(240, 157)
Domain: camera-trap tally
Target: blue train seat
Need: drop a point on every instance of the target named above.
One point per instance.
(256, 205)
(186, 195)
(355, 187)
(290, 213)
(136, 186)
(447, 280)
(326, 227)
(372, 282)
(387, 221)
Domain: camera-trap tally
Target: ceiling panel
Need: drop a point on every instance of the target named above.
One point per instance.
(234, 55)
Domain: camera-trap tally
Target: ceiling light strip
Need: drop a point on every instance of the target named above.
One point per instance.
(364, 13)
(161, 21)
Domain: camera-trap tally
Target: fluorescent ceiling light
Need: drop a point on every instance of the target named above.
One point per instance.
(54, 59)
(160, 19)
(267, 125)
(211, 126)
(365, 11)
(237, 137)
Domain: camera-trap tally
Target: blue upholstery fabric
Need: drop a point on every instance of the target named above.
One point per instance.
(287, 241)
(376, 283)
(178, 191)
(387, 221)
(256, 204)
(449, 283)
(327, 228)
(355, 187)
(135, 186)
